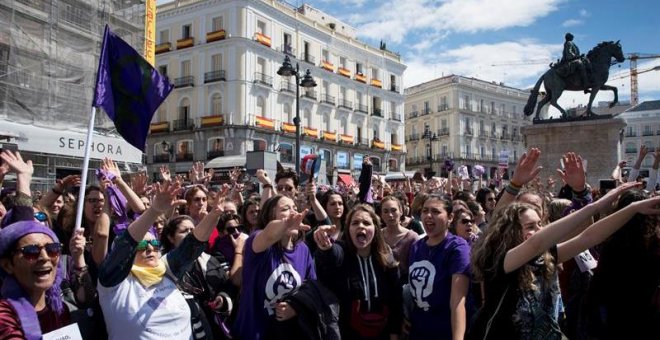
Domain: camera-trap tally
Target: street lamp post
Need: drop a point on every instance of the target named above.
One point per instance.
(432, 137)
(287, 70)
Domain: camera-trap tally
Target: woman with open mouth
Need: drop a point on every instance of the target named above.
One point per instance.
(137, 289)
(360, 269)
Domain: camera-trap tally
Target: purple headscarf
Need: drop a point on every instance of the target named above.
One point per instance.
(11, 289)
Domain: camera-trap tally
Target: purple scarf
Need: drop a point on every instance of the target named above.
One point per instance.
(11, 289)
(117, 201)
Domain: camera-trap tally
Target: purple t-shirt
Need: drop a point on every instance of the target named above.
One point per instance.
(267, 278)
(430, 272)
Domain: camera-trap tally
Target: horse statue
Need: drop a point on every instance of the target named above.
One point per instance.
(555, 83)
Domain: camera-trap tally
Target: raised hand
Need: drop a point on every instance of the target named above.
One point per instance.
(234, 175)
(166, 196)
(322, 236)
(649, 206)
(165, 173)
(16, 163)
(111, 167)
(238, 242)
(196, 173)
(77, 244)
(643, 151)
(573, 173)
(139, 183)
(527, 168)
(262, 177)
(310, 189)
(294, 221)
(4, 169)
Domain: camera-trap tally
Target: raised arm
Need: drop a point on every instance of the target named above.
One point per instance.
(653, 174)
(525, 171)
(23, 170)
(601, 230)
(60, 187)
(132, 199)
(634, 172)
(267, 186)
(276, 229)
(553, 233)
(317, 208)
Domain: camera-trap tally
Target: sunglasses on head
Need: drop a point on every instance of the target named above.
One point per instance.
(142, 245)
(467, 221)
(31, 252)
(40, 216)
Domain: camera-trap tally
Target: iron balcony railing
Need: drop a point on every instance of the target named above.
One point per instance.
(361, 108)
(184, 81)
(182, 124)
(214, 154)
(346, 104)
(185, 157)
(287, 86)
(288, 50)
(213, 76)
(162, 158)
(262, 78)
(377, 112)
(308, 58)
(328, 99)
(311, 94)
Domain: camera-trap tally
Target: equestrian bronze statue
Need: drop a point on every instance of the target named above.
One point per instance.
(575, 72)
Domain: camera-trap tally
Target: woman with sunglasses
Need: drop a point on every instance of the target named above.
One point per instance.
(31, 303)
(463, 225)
(205, 286)
(137, 287)
(229, 245)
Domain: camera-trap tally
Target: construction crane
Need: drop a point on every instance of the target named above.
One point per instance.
(632, 57)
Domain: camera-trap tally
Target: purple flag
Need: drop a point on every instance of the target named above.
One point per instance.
(128, 88)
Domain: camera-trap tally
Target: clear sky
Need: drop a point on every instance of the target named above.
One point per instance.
(469, 37)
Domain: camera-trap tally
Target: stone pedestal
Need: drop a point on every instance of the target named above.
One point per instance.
(598, 141)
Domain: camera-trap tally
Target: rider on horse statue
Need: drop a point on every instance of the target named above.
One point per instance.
(571, 60)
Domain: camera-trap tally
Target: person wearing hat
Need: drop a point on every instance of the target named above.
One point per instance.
(31, 302)
(137, 289)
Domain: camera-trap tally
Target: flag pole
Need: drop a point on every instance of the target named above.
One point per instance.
(85, 170)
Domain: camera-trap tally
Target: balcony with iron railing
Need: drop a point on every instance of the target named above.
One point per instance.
(310, 94)
(184, 157)
(647, 133)
(215, 35)
(308, 58)
(377, 112)
(186, 81)
(425, 111)
(328, 99)
(263, 79)
(505, 136)
(516, 137)
(214, 154)
(363, 142)
(213, 76)
(346, 104)
(468, 131)
(443, 132)
(396, 116)
(185, 43)
(443, 107)
(288, 50)
(414, 137)
(287, 86)
(182, 124)
(413, 114)
(493, 135)
(483, 134)
(394, 88)
(361, 108)
(631, 134)
(163, 47)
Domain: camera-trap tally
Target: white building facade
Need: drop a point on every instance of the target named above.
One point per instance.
(468, 120)
(642, 128)
(223, 57)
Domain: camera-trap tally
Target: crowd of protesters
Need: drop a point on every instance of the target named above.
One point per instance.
(422, 258)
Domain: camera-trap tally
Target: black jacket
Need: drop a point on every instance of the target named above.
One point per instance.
(318, 312)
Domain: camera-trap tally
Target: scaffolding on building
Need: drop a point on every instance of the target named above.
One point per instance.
(49, 53)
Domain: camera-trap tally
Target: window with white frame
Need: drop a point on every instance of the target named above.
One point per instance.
(216, 104)
(216, 62)
(186, 31)
(186, 69)
(164, 36)
(261, 106)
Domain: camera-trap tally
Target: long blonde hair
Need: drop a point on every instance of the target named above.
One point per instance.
(503, 234)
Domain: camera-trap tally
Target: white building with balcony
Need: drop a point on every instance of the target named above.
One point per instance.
(642, 128)
(468, 120)
(223, 58)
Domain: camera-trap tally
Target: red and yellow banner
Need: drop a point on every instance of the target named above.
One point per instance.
(150, 31)
(345, 72)
(159, 127)
(379, 144)
(361, 78)
(330, 136)
(397, 147)
(376, 83)
(263, 39)
(347, 139)
(289, 128)
(307, 131)
(215, 36)
(264, 122)
(212, 120)
(328, 66)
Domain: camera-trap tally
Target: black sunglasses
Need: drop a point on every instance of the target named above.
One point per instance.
(234, 230)
(31, 252)
(467, 221)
